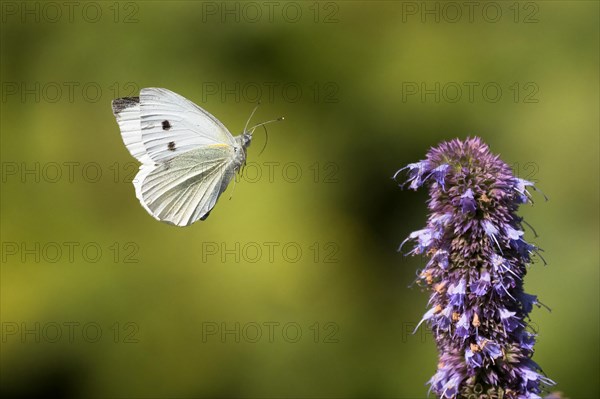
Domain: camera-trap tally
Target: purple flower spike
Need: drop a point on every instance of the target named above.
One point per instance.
(478, 255)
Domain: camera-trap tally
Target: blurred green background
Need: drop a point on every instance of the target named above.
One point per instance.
(158, 311)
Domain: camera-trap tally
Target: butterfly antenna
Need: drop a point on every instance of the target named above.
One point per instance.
(266, 140)
(251, 115)
(264, 123)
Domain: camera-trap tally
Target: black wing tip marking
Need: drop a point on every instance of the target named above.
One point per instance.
(119, 104)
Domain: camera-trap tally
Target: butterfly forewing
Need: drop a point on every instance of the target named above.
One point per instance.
(127, 112)
(172, 125)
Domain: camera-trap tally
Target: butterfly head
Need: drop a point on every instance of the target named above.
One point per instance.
(245, 139)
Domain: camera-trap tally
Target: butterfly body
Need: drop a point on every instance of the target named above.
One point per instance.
(188, 157)
(242, 142)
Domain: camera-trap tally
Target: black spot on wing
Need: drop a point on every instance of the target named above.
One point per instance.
(166, 125)
(171, 146)
(119, 104)
(205, 215)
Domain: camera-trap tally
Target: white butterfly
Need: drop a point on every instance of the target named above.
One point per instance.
(188, 157)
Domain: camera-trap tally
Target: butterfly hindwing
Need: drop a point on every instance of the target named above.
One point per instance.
(184, 189)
